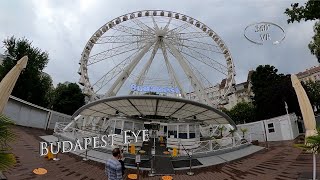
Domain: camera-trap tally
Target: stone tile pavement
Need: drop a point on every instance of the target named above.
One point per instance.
(280, 162)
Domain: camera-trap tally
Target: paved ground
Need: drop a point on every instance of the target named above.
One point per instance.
(280, 162)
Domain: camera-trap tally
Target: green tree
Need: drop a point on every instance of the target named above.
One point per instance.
(242, 112)
(67, 98)
(33, 84)
(6, 135)
(271, 91)
(313, 91)
(311, 11)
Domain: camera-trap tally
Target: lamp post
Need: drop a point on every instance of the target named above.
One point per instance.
(286, 106)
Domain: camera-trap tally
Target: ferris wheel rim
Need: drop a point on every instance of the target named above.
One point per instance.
(83, 71)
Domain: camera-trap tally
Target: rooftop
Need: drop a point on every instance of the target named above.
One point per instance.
(308, 72)
(172, 108)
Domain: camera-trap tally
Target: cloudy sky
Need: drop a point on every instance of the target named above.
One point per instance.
(62, 28)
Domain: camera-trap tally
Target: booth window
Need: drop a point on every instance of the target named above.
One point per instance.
(271, 128)
(172, 130)
(183, 131)
(192, 131)
(117, 131)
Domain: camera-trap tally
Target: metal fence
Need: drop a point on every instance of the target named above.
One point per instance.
(27, 114)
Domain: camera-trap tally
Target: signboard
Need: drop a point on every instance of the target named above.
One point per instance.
(157, 89)
(264, 32)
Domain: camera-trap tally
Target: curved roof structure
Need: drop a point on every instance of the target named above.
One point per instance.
(178, 109)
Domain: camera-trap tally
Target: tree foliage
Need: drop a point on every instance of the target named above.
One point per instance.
(32, 84)
(313, 91)
(311, 11)
(242, 112)
(271, 91)
(7, 160)
(67, 98)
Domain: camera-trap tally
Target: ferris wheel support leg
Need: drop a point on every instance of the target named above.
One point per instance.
(196, 84)
(127, 71)
(146, 67)
(172, 74)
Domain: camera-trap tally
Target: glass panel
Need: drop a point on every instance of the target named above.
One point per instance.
(127, 125)
(117, 131)
(183, 135)
(270, 125)
(183, 128)
(119, 124)
(271, 130)
(191, 128)
(192, 135)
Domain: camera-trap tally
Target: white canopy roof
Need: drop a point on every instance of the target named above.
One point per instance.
(151, 105)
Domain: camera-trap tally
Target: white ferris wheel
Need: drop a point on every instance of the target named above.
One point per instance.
(157, 51)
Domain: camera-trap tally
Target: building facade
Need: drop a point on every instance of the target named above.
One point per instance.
(240, 93)
(311, 74)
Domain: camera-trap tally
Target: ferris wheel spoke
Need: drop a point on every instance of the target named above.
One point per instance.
(172, 74)
(208, 64)
(180, 28)
(122, 39)
(142, 25)
(111, 53)
(201, 46)
(167, 25)
(192, 35)
(114, 72)
(156, 27)
(205, 59)
(128, 70)
(140, 79)
(131, 30)
(196, 84)
(201, 76)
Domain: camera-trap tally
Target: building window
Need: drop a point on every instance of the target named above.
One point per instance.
(271, 128)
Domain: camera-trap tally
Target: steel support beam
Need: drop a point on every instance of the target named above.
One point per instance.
(127, 71)
(195, 82)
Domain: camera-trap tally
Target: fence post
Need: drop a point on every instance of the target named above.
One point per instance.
(190, 173)
(56, 158)
(210, 145)
(233, 141)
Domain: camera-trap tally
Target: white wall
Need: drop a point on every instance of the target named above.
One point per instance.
(294, 124)
(285, 128)
(255, 129)
(26, 114)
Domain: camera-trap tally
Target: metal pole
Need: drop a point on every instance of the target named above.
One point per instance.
(152, 173)
(190, 173)
(138, 171)
(265, 135)
(85, 158)
(314, 166)
(56, 158)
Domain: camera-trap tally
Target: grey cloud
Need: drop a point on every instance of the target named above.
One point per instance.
(65, 36)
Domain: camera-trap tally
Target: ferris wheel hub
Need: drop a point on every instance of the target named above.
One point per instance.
(161, 32)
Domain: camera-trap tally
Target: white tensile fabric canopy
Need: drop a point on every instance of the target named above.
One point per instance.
(8, 82)
(151, 105)
(305, 107)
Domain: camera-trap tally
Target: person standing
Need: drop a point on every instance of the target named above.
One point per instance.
(113, 166)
